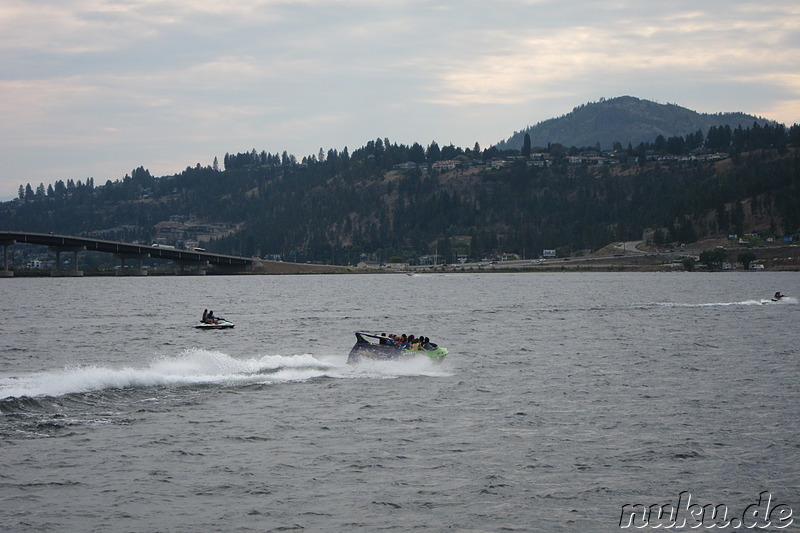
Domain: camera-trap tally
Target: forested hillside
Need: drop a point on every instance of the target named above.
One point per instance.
(624, 120)
(387, 200)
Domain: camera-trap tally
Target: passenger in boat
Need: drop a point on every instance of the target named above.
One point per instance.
(414, 343)
(383, 339)
(205, 316)
(211, 318)
(778, 296)
(428, 345)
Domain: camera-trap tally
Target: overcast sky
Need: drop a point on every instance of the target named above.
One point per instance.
(99, 87)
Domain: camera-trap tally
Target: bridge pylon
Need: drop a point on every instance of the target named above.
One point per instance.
(133, 271)
(76, 272)
(6, 272)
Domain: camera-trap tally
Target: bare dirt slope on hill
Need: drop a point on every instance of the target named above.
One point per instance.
(279, 267)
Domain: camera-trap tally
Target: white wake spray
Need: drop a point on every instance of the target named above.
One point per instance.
(193, 366)
(198, 366)
(786, 300)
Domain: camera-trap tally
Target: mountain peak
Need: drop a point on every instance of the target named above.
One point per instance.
(624, 119)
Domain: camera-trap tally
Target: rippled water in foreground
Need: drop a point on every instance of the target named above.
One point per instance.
(564, 397)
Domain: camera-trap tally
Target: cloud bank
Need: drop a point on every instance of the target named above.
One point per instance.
(99, 87)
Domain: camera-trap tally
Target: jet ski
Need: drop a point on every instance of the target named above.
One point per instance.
(220, 323)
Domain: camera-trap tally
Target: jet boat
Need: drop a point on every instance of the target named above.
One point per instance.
(376, 347)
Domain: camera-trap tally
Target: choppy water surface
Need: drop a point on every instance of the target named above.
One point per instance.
(564, 397)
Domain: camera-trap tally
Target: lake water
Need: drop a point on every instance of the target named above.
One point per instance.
(564, 397)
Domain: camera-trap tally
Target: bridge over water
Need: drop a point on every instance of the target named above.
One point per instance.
(187, 261)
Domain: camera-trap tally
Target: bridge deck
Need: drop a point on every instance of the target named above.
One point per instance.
(121, 248)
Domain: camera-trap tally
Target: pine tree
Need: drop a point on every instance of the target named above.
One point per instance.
(434, 153)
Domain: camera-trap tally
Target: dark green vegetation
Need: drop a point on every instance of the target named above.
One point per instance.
(341, 207)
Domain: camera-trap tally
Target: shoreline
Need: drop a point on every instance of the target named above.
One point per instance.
(773, 259)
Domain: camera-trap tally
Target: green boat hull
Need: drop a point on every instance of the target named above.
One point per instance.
(385, 352)
(437, 355)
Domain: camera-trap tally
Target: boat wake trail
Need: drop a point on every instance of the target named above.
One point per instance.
(192, 367)
(786, 300)
(195, 366)
(418, 366)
